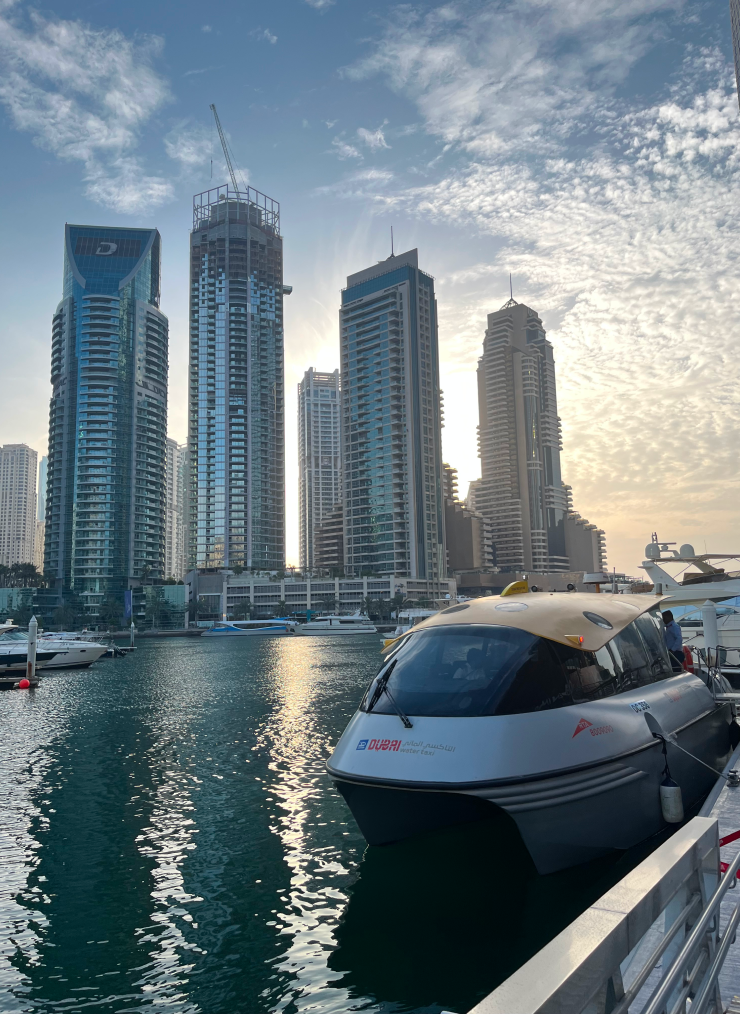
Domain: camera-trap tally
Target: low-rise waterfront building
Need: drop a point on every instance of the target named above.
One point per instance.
(215, 594)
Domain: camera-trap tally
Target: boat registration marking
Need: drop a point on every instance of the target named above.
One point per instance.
(639, 706)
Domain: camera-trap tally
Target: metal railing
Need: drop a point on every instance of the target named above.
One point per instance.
(650, 945)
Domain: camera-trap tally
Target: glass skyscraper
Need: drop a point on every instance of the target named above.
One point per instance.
(237, 390)
(108, 417)
(391, 422)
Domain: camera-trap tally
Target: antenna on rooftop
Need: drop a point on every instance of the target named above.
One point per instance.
(511, 290)
(392, 254)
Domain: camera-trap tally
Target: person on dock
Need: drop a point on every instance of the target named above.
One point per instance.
(673, 641)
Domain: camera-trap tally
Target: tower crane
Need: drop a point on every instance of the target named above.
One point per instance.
(225, 147)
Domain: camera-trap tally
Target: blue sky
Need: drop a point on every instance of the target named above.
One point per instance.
(589, 147)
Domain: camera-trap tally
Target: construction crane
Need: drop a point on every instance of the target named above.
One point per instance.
(225, 147)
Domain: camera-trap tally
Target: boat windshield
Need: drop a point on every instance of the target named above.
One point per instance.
(476, 669)
(13, 635)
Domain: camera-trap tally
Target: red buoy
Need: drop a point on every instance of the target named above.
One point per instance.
(24, 684)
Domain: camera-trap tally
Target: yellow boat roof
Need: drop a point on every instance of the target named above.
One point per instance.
(560, 616)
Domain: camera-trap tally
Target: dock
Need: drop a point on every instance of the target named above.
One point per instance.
(661, 941)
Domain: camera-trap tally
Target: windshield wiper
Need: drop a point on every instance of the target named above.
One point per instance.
(382, 688)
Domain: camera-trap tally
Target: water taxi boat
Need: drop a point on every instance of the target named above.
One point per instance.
(333, 626)
(530, 706)
(258, 628)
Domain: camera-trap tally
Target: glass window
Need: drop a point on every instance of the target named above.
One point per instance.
(651, 628)
(471, 670)
(591, 675)
(630, 658)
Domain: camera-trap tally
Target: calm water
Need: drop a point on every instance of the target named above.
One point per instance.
(169, 839)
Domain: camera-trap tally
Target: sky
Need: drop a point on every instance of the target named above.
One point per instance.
(589, 148)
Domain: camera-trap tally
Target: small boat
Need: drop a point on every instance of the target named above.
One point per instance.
(61, 650)
(407, 619)
(534, 708)
(14, 658)
(252, 628)
(338, 626)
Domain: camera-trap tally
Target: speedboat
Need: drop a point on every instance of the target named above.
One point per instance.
(14, 657)
(61, 651)
(272, 628)
(538, 708)
(333, 626)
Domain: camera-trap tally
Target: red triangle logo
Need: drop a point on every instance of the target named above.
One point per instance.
(583, 724)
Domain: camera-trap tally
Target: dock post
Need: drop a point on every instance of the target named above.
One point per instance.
(33, 628)
(132, 634)
(711, 633)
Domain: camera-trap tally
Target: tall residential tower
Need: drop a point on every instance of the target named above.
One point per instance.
(391, 422)
(175, 549)
(521, 491)
(108, 416)
(319, 456)
(237, 411)
(17, 504)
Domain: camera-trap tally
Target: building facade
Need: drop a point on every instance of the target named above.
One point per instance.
(219, 594)
(108, 417)
(735, 31)
(18, 466)
(41, 493)
(236, 390)
(521, 490)
(175, 547)
(329, 543)
(391, 422)
(319, 456)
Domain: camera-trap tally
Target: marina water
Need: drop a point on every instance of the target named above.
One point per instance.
(169, 839)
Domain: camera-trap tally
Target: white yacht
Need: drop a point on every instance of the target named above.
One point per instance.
(338, 626)
(407, 619)
(707, 581)
(252, 628)
(61, 651)
(535, 708)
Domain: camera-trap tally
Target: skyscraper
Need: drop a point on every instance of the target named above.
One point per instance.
(175, 510)
(319, 456)
(735, 30)
(521, 490)
(237, 412)
(391, 422)
(18, 465)
(41, 492)
(108, 415)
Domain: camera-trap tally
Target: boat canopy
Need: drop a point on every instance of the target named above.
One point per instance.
(565, 617)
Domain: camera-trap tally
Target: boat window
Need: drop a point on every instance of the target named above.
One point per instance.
(473, 670)
(651, 628)
(592, 675)
(631, 659)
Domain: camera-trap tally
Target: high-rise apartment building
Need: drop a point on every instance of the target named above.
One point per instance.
(735, 30)
(108, 417)
(175, 520)
(520, 491)
(18, 464)
(237, 392)
(41, 491)
(391, 422)
(319, 456)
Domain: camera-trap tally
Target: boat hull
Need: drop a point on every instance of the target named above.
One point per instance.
(72, 655)
(338, 632)
(249, 633)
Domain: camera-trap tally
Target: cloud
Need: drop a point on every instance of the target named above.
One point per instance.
(343, 150)
(264, 34)
(86, 94)
(374, 139)
(206, 28)
(490, 76)
(330, 123)
(320, 5)
(362, 184)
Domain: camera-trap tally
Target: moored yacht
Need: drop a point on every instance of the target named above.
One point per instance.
(338, 626)
(60, 651)
(258, 628)
(531, 707)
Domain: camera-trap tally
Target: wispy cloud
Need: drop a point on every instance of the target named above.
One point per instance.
(320, 5)
(86, 94)
(374, 139)
(343, 150)
(264, 34)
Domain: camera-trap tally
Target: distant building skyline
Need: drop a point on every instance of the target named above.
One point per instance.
(391, 422)
(18, 471)
(236, 387)
(319, 456)
(108, 416)
(175, 545)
